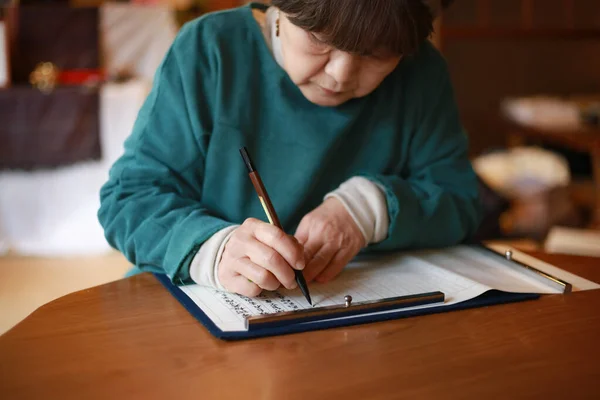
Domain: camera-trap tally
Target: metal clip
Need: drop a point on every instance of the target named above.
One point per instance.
(348, 300)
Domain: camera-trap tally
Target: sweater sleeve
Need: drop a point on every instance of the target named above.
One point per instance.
(150, 207)
(433, 200)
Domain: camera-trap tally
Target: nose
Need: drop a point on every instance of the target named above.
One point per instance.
(342, 66)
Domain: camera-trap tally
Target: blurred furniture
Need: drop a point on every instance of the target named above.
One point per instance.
(4, 52)
(584, 242)
(132, 336)
(493, 206)
(52, 212)
(66, 36)
(531, 23)
(188, 10)
(56, 122)
(535, 184)
(499, 48)
(583, 139)
(48, 130)
(60, 125)
(214, 5)
(135, 38)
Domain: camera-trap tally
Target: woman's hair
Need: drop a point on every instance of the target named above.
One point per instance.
(363, 26)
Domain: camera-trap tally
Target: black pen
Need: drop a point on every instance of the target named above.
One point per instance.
(270, 211)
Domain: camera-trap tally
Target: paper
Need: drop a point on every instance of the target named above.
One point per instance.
(486, 268)
(461, 273)
(374, 279)
(583, 242)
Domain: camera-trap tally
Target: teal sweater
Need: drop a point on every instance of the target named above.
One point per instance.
(181, 177)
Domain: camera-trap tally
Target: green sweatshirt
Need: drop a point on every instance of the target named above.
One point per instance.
(181, 177)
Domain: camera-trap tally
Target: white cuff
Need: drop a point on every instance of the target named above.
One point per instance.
(365, 202)
(203, 269)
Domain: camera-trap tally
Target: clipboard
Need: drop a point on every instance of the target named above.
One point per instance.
(348, 313)
(493, 297)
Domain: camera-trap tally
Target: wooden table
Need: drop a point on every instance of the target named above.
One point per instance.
(131, 339)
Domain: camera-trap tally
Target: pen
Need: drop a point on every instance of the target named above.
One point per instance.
(270, 211)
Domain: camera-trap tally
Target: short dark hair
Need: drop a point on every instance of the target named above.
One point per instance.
(363, 26)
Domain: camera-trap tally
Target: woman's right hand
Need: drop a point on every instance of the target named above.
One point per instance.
(259, 256)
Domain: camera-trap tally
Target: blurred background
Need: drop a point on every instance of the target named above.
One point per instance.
(73, 75)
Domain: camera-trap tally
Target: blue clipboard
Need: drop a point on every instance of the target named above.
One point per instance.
(489, 298)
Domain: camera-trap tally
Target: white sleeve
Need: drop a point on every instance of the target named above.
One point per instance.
(365, 202)
(203, 268)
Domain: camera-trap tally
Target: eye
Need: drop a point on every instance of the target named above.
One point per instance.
(376, 57)
(380, 56)
(316, 41)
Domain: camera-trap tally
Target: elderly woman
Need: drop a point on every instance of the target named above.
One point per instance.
(348, 112)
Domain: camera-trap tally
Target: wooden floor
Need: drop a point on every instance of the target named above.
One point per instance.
(26, 283)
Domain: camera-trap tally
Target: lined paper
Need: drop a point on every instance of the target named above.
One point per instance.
(461, 273)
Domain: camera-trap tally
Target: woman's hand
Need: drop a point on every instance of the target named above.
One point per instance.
(331, 239)
(259, 256)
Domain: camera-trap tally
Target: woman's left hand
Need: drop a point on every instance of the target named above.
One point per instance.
(331, 239)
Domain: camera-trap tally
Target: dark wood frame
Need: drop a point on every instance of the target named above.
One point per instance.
(482, 28)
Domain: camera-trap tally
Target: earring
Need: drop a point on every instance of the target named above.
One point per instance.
(277, 27)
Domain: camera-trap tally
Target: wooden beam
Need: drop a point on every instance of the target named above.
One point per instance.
(474, 32)
(527, 13)
(483, 13)
(569, 10)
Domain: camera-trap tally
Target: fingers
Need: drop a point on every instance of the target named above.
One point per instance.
(235, 282)
(260, 256)
(240, 284)
(312, 244)
(266, 262)
(301, 234)
(317, 252)
(327, 251)
(335, 266)
(258, 275)
(287, 247)
(319, 261)
(254, 278)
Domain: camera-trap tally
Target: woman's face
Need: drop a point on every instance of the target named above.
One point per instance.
(327, 76)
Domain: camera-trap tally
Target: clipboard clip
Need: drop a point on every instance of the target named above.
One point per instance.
(348, 300)
(547, 279)
(347, 309)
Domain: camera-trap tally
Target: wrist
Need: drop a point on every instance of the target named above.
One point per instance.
(204, 265)
(335, 206)
(366, 204)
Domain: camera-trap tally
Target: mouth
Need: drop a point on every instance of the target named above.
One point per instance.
(329, 92)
